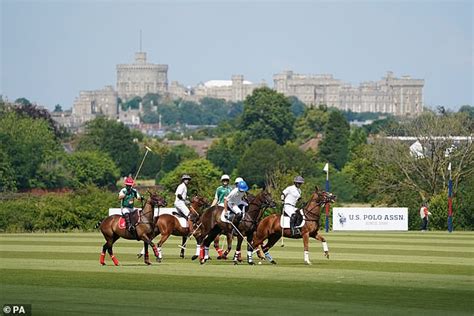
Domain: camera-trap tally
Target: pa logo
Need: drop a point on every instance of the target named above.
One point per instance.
(342, 219)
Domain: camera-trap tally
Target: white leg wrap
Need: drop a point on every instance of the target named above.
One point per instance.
(198, 248)
(306, 256)
(160, 254)
(206, 252)
(143, 251)
(249, 255)
(325, 246)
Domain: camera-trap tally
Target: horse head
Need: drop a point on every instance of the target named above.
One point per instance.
(155, 199)
(321, 197)
(266, 199)
(198, 203)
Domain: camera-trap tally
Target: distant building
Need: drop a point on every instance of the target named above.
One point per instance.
(89, 104)
(398, 96)
(140, 78)
(234, 90)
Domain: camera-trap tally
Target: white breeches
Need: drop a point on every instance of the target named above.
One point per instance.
(127, 210)
(181, 206)
(235, 208)
(289, 209)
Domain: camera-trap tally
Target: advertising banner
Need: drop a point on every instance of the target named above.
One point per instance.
(370, 218)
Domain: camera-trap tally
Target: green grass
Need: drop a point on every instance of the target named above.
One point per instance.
(368, 273)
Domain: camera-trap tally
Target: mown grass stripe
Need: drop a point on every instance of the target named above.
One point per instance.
(244, 294)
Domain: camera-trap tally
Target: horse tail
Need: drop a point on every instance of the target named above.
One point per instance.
(97, 225)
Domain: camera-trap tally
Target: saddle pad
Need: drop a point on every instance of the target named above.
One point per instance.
(121, 223)
(170, 211)
(223, 218)
(285, 221)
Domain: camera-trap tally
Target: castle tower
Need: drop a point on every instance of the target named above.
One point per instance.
(141, 77)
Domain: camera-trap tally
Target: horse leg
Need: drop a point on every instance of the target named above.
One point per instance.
(109, 244)
(198, 248)
(229, 246)
(145, 251)
(306, 248)
(220, 252)
(272, 240)
(237, 256)
(249, 248)
(183, 246)
(207, 242)
(102, 254)
(325, 244)
(158, 253)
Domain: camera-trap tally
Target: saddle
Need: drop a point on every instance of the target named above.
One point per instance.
(134, 219)
(178, 213)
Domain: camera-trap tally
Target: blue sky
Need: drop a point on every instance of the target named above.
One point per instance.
(53, 49)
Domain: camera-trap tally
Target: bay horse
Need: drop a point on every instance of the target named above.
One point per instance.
(212, 225)
(168, 224)
(144, 229)
(270, 229)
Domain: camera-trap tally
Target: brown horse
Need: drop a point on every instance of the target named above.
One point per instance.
(144, 229)
(167, 225)
(212, 225)
(270, 228)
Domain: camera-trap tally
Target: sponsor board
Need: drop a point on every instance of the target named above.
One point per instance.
(370, 218)
(162, 210)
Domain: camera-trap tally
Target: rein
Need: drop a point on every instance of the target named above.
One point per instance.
(309, 211)
(260, 207)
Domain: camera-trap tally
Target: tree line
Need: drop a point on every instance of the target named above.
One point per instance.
(261, 144)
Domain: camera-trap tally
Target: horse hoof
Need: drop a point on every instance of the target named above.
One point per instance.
(148, 263)
(194, 257)
(308, 263)
(202, 261)
(181, 256)
(273, 262)
(251, 263)
(158, 259)
(139, 255)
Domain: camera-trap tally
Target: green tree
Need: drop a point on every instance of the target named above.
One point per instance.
(262, 158)
(334, 146)
(357, 137)
(58, 108)
(114, 139)
(176, 155)
(297, 107)
(205, 177)
(267, 115)
(89, 167)
(23, 101)
(7, 173)
(312, 122)
(224, 155)
(27, 143)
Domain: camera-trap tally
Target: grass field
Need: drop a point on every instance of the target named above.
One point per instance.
(368, 273)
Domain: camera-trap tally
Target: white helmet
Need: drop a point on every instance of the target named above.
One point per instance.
(238, 179)
(225, 177)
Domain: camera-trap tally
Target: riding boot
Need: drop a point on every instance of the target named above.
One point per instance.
(294, 231)
(128, 223)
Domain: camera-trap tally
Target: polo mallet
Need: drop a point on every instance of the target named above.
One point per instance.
(282, 221)
(143, 160)
(237, 230)
(183, 246)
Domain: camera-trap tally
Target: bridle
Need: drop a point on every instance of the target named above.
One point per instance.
(261, 206)
(317, 204)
